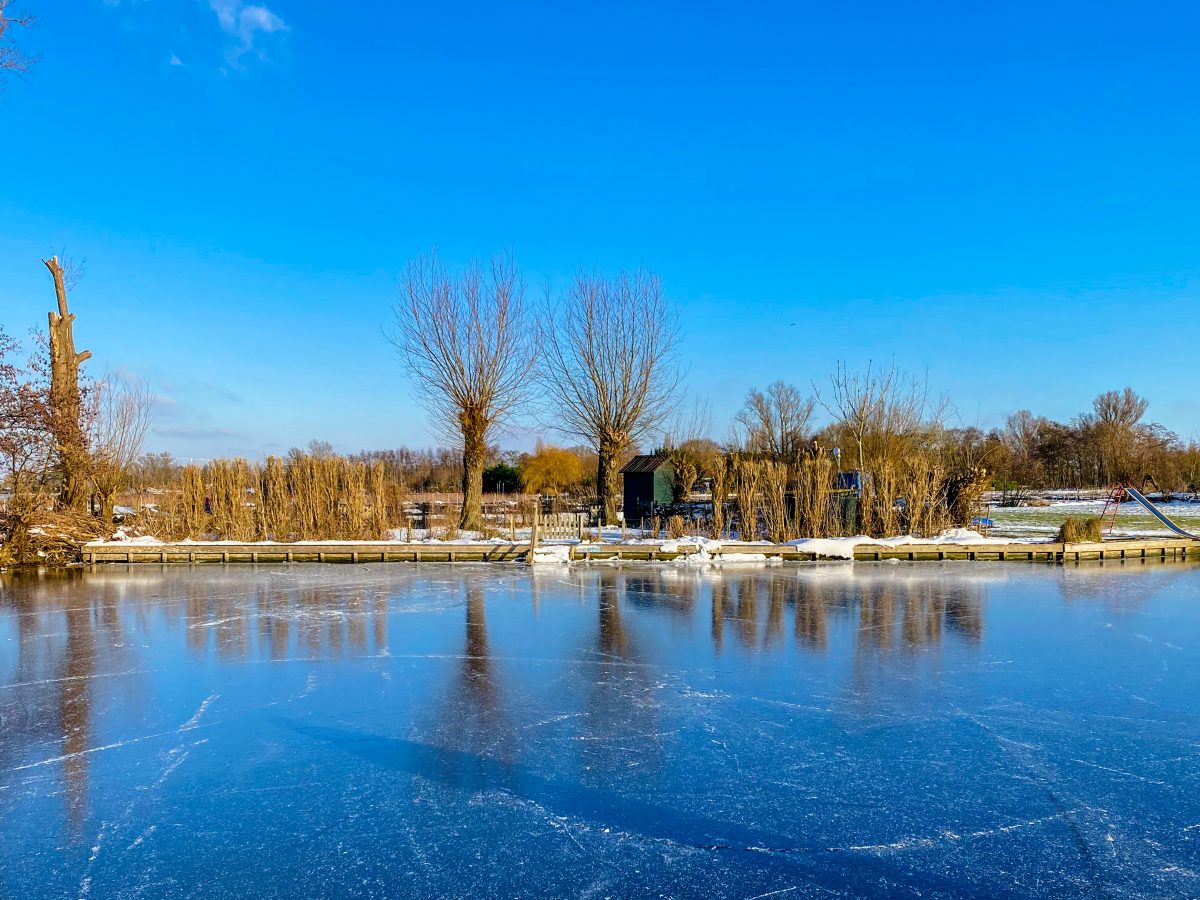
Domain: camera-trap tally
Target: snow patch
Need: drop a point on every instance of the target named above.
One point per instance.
(120, 536)
(554, 554)
(830, 548)
(843, 548)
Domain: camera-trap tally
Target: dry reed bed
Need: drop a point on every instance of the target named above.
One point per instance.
(297, 499)
(307, 497)
(780, 502)
(313, 497)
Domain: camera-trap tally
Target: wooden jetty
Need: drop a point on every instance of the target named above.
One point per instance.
(363, 552)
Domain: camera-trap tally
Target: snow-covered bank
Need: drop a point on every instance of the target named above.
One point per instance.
(699, 550)
(843, 548)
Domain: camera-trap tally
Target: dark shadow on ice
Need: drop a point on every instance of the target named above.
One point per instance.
(830, 866)
(475, 773)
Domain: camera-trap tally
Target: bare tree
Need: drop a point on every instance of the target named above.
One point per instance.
(65, 396)
(119, 422)
(777, 421)
(688, 422)
(691, 451)
(465, 341)
(609, 365)
(11, 57)
(878, 409)
(1123, 409)
(1021, 437)
(1115, 432)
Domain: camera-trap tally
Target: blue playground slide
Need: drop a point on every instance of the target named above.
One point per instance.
(1154, 511)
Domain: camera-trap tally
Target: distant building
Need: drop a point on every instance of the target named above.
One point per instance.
(648, 482)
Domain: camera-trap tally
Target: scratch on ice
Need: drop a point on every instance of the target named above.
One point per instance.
(953, 837)
(195, 719)
(1084, 762)
(90, 750)
(142, 837)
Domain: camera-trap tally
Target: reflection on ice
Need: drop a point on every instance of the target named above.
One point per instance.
(868, 728)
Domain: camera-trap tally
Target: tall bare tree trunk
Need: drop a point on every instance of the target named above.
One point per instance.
(608, 482)
(107, 505)
(609, 351)
(64, 396)
(467, 344)
(474, 430)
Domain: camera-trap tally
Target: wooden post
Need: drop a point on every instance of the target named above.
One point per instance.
(537, 515)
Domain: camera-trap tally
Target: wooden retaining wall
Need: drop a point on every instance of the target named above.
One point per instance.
(391, 552)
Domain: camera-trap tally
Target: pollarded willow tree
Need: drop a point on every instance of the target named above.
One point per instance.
(609, 367)
(466, 343)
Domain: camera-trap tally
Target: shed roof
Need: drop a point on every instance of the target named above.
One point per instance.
(644, 464)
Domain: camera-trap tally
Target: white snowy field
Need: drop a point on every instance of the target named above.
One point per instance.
(1133, 521)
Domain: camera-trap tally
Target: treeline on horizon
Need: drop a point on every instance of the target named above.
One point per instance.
(775, 474)
(597, 361)
(1108, 444)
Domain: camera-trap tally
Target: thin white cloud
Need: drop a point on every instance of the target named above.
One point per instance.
(248, 25)
(249, 28)
(165, 406)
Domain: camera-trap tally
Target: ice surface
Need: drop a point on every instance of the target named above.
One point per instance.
(932, 730)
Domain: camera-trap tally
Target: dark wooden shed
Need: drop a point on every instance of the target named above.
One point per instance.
(648, 482)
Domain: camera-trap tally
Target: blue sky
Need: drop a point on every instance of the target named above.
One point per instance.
(1003, 194)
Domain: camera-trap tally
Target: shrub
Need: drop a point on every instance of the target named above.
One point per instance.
(502, 478)
(1078, 529)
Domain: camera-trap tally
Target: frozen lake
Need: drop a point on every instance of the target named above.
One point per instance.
(931, 730)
